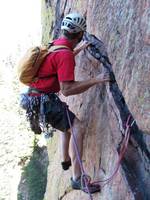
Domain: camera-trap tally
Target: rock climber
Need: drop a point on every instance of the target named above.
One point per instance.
(42, 95)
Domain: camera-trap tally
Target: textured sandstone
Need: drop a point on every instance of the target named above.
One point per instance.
(124, 27)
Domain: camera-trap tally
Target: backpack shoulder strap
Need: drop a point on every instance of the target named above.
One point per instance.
(57, 47)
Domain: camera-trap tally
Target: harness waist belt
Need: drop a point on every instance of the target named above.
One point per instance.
(34, 90)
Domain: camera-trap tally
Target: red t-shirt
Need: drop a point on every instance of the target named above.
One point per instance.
(59, 65)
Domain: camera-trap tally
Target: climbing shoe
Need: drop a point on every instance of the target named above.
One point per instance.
(76, 185)
(66, 164)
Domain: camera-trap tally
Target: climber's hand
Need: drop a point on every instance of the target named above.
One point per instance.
(83, 45)
(103, 77)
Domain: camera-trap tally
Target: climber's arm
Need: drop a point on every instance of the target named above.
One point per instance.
(76, 87)
(83, 46)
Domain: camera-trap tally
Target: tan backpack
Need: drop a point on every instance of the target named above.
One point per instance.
(29, 65)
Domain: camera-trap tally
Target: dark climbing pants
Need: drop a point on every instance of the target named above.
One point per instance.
(46, 109)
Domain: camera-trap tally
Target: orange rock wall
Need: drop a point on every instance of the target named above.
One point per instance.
(125, 29)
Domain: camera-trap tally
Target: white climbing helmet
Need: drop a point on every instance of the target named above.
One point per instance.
(74, 23)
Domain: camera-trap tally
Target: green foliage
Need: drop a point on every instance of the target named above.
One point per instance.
(35, 175)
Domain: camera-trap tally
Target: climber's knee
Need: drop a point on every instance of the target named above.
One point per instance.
(78, 126)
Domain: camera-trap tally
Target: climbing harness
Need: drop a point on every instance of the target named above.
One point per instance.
(86, 179)
(37, 112)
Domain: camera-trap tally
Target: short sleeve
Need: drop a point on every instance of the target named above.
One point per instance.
(65, 66)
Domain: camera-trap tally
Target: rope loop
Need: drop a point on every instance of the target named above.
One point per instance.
(85, 180)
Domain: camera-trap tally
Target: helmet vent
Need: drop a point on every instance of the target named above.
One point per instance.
(69, 18)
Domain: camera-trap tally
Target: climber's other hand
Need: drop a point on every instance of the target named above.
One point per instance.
(86, 44)
(83, 45)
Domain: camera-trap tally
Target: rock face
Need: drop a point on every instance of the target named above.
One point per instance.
(124, 28)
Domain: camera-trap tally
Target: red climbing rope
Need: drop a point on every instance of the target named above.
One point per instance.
(85, 179)
(122, 152)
